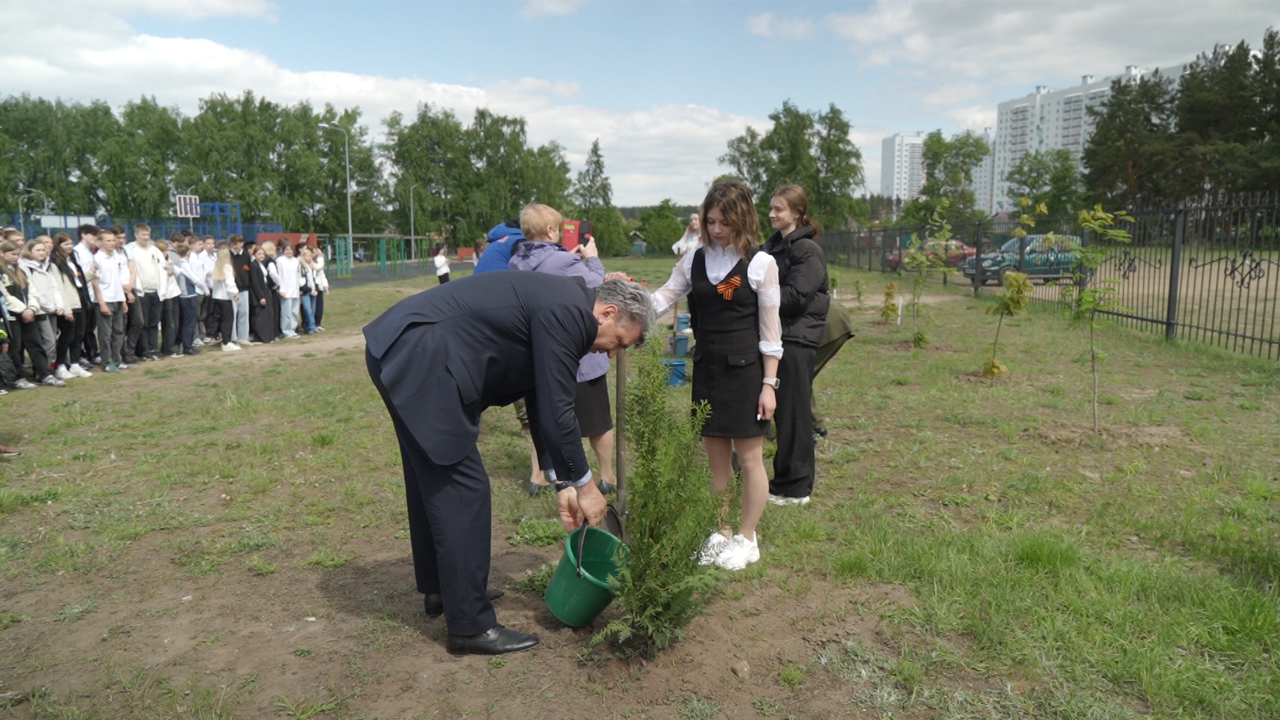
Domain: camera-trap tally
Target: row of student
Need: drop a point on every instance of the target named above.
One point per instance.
(70, 306)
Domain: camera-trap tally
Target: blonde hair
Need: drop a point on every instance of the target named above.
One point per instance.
(222, 265)
(536, 218)
(269, 248)
(26, 249)
(733, 199)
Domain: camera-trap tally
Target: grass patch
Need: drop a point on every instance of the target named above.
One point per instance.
(326, 558)
(74, 611)
(538, 533)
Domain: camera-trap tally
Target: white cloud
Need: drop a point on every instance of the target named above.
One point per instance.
(770, 26)
(180, 9)
(539, 8)
(665, 151)
(1001, 41)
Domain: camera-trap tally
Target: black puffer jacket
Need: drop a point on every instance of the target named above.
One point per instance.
(802, 273)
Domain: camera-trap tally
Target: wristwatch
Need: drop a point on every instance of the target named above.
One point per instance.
(772, 382)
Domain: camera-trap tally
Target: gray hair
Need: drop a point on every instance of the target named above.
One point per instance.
(632, 300)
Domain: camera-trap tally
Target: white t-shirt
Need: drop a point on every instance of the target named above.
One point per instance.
(112, 271)
(442, 265)
(84, 258)
(149, 263)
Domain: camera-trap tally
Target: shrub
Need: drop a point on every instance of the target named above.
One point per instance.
(670, 511)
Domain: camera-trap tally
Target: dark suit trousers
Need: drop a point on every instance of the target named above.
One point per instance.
(793, 465)
(449, 525)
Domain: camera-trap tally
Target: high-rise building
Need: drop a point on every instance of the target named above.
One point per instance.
(1048, 120)
(902, 166)
(984, 176)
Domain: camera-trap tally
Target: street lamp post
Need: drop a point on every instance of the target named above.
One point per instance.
(26, 192)
(413, 240)
(346, 154)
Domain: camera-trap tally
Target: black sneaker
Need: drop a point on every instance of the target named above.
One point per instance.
(191, 351)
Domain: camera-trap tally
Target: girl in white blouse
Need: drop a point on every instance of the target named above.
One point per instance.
(734, 299)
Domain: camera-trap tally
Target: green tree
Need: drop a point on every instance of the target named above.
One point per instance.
(661, 225)
(1132, 156)
(948, 168)
(593, 194)
(1046, 178)
(1218, 117)
(807, 148)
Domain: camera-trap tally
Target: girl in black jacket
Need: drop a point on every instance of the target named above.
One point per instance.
(802, 275)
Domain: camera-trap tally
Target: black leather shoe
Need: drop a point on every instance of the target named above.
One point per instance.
(496, 641)
(434, 605)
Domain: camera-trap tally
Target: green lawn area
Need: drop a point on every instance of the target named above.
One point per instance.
(225, 538)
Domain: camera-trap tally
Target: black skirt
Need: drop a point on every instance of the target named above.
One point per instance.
(729, 380)
(591, 405)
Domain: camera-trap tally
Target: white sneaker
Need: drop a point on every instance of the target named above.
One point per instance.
(62, 373)
(77, 371)
(24, 384)
(197, 343)
(780, 500)
(229, 347)
(712, 548)
(52, 381)
(740, 553)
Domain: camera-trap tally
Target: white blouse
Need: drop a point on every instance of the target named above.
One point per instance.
(762, 276)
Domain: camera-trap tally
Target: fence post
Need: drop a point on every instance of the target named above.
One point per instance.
(977, 260)
(1175, 274)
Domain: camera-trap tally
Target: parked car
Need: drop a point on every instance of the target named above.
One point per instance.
(1048, 257)
(951, 252)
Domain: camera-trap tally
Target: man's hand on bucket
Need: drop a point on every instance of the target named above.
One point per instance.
(577, 503)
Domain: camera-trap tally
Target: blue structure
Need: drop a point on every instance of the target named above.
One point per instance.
(218, 219)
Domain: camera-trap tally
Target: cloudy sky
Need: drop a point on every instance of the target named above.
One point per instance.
(662, 83)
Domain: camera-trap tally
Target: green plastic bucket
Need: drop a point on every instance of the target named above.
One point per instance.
(577, 594)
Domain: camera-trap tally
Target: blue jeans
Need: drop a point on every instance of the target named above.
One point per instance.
(308, 314)
(240, 331)
(289, 316)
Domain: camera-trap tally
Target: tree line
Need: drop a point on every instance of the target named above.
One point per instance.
(286, 164)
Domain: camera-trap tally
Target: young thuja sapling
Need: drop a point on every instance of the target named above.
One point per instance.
(1084, 299)
(661, 588)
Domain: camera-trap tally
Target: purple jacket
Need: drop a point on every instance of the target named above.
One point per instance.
(553, 259)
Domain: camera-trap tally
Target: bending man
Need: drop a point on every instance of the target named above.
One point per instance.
(443, 356)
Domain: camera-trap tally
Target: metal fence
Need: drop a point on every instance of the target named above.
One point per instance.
(33, 225)
(1207, 271)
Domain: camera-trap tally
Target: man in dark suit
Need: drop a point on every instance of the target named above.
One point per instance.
(439, 358)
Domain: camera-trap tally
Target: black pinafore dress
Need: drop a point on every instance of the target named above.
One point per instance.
(727, 366)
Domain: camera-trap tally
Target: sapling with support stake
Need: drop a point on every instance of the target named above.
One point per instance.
(668, 511)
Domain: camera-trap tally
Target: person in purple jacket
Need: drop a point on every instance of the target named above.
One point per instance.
(541, 251)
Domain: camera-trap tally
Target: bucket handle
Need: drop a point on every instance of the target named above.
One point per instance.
(582, 541)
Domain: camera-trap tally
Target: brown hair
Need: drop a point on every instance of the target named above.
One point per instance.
(58, 255)
(235, 239)
(15, 272)
(140, 227)
(734, 201)
(117, 230)
(798, 202)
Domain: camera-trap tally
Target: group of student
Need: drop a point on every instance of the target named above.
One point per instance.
(70, 306)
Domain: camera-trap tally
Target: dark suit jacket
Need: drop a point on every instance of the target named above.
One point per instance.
(446, 354)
